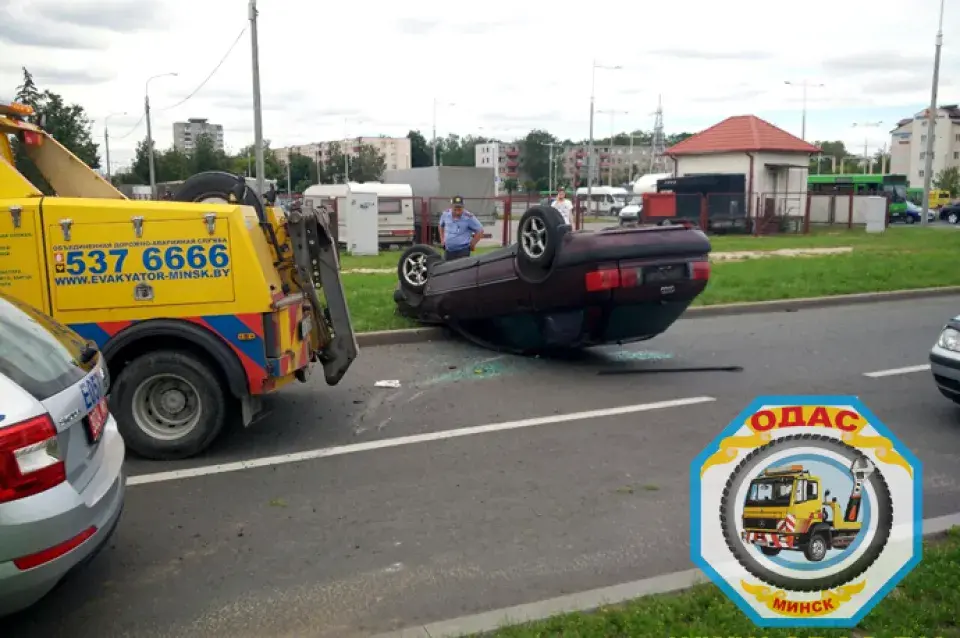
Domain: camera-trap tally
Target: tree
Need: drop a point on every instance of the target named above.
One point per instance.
(205, 156)
(303, 172)
(420, 153)
(536, 154)
(368, 165)
(66, 123)
(333, 167)
(949, 180)
(510, 185)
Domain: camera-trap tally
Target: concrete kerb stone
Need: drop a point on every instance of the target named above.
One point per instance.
(592, 600)
(421, 335)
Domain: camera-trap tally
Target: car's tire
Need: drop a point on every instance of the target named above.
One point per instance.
(749, 560)
(414, 266)
(538, 235)
(152, 392)
(219, 187)
(953, 217)
(817, 547)
(770, 551)
(910, 219)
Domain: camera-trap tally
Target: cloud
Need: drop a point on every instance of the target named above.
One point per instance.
(715, 56)
(36, 34)
(876, 61)
(60, 76)
(120, 16)
(897, 84)
(417, 26)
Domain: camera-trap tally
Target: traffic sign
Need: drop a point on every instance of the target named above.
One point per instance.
(806, 511)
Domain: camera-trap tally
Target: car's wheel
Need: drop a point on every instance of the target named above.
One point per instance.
(770, 551)
(538, 235)
(953, 217)
(169, 405)
(910, 219)
(414, 265)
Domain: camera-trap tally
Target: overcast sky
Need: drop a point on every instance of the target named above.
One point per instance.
(505, 66)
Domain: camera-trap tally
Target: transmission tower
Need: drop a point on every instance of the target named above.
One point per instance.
(657, 160)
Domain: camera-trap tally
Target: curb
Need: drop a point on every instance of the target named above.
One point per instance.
(422, 335)
(591, 600)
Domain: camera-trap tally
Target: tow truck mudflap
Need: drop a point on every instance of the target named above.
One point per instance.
(315, 254)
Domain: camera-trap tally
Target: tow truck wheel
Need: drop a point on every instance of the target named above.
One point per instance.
(816, 549)
(770, 551)
(169, 405)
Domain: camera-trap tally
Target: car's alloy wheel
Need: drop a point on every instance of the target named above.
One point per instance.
(415, 269)
(953, 218)
(533, 237)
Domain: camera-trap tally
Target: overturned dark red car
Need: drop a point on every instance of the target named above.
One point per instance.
(557, 288)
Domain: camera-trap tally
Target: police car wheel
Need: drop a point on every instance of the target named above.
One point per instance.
(538, 235)
(413, 269)
(169, 405)
(875, 541)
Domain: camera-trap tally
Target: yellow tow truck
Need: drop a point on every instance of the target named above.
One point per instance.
(784, 510)
(200, 306)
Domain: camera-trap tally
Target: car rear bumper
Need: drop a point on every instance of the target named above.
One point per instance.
(945, 366)
(56, 516)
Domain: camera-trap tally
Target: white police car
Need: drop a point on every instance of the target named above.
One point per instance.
(61, 456)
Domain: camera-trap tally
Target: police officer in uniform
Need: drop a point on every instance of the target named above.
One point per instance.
(460, 231)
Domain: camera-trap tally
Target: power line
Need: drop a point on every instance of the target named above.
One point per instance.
(212, 73)
(132, 130)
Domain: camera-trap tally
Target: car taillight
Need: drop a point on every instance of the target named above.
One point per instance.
(603, 280)
(30, 460)
(701, 270)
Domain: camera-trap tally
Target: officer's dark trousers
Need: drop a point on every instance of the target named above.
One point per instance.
(450, 255)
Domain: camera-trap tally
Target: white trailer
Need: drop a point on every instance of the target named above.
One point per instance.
(605, 200)
(395, 209)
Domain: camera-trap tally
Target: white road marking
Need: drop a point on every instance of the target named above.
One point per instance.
(895, 371)
(340, 450)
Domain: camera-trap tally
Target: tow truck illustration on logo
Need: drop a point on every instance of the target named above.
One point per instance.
(806, 511)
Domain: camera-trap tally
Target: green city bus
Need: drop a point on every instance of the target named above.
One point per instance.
(894, 187)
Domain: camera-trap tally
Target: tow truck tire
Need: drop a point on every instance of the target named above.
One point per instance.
(169, 405)
(214, 185)
(752, 463)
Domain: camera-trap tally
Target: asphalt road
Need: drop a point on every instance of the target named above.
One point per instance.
(366, 539)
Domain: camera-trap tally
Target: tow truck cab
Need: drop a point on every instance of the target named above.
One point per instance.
(200, 306)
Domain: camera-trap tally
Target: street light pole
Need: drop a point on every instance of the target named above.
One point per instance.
(593, 91)
(257, 106)
(106, 142)
(612, 114)
(146, 110)
(932, 122)
(803, 122)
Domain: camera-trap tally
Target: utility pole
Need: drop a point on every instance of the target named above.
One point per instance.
(868, 163)
(803, 122)
(289, 185)
(106, 142)
(932, 122)
(552, 169)
(434, 142)
(257, 106)
(146, 111)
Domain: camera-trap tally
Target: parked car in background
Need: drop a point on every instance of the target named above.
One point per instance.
(912, 214)
(945, 360)
(61, 456)
(951, 213)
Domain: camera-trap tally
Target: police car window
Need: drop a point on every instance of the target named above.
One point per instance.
(37, 354)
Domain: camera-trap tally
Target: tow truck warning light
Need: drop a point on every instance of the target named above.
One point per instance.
(15, 108)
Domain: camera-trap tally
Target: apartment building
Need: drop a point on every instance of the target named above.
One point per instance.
(908, 144)
(610, 163)
(395, 150)
(506, 161)
(186, 134)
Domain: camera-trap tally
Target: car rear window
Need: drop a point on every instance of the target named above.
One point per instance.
(37, 353)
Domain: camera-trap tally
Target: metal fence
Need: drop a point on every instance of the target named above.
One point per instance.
(716, 213)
